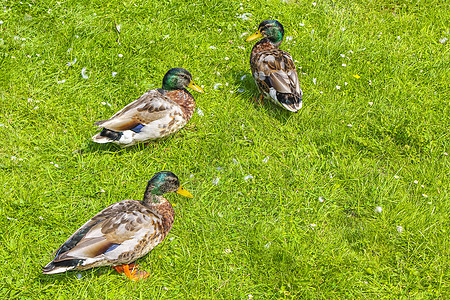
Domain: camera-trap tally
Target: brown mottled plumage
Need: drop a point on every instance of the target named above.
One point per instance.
(154, 115)
(273, 69)
(122, 232)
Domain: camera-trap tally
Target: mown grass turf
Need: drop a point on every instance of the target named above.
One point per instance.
(349, 197)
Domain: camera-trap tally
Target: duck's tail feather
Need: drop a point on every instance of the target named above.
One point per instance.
(291, 102)
(106, 136)
(61, 266)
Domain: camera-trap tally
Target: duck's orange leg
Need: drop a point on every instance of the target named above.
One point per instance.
(120, 269)
(134, 274)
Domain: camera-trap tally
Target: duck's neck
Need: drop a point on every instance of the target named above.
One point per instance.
(161, 206)
(151, 194)
(274, 43)
(264, 45)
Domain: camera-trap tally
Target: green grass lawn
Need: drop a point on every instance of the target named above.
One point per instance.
(349, 197)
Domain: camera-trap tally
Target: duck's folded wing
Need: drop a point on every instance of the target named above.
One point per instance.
(277, 70)
(110, 233)
(149, 107)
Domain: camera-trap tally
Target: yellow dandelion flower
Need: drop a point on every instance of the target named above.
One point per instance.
(357, 76)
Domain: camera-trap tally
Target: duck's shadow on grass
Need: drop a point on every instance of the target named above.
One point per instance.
(79, 275)
(111, 148)
(249, 92)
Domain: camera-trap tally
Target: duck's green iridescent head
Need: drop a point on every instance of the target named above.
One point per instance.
(166, 182)
(177, 79)
(271, 29)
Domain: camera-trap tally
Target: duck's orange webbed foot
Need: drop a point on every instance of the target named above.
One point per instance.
(120, 268)
(134, 274)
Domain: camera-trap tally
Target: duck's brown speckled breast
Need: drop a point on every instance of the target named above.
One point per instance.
(185, 100)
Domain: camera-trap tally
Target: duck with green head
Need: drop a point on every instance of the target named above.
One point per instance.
(273, 69)
(156, 114)
(121, 233)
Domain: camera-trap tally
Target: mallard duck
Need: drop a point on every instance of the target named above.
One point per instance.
(154, 115)
(122, 232)
(273, 69)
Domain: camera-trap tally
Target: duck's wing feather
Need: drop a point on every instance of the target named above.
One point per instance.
(149, 107)
(115, 230)
(276, 69)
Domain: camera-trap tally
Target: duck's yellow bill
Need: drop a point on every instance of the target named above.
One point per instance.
(183, 192)
(195, 87)
(254, 36)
